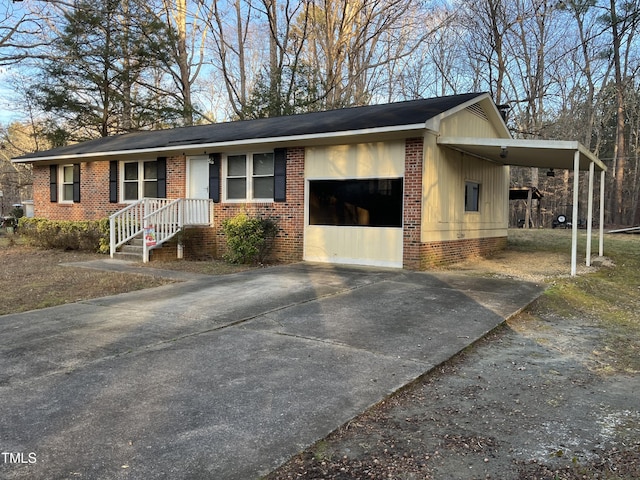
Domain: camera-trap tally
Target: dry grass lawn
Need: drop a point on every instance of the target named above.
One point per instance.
(32, 278)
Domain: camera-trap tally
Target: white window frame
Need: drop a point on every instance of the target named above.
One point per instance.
(140, 180)
(62, 183)
(478, 188)
(249, 177)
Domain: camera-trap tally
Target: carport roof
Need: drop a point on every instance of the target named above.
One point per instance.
(554, 154)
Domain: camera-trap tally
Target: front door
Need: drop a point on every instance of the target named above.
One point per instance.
(198, 177)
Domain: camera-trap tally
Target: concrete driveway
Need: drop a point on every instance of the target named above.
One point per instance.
(225, 377)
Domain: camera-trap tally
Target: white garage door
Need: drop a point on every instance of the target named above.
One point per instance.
(353, 203)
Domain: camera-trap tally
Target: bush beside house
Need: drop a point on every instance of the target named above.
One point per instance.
(89, 235)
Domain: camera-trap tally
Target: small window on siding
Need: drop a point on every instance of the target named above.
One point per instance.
(471, 197)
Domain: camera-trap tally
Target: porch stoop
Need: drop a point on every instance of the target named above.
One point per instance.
(160, 219)
(132, 251)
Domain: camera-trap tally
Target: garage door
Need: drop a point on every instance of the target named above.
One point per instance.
(357, 221)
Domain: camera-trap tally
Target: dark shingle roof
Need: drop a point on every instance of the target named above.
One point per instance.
(398, 114)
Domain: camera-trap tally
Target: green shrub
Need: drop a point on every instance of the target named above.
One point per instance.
(89, 235)
(249, 239)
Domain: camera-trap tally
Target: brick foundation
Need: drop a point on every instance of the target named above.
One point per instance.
(438, 254)
(199, 243)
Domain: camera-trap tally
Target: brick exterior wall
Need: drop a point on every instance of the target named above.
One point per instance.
(412, 214)
(199, 243)
(203, 243)
(94, 191)
(288, 245)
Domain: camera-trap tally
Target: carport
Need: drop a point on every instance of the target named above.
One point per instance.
(550, 154)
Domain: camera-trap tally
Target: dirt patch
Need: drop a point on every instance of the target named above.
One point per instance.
(542, 397)
(525, 402)
(33, 278)
(537, 267)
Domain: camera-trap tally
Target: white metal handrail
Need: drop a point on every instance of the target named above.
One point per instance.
(160, 219)
(196, 211)
(161, 225)
(125, 225)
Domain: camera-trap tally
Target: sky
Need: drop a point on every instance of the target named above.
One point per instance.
(9, 111)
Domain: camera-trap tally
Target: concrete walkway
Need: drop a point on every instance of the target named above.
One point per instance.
(225, 377)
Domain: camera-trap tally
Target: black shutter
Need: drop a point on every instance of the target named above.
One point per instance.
(113, 181)
(162, 177)
(76, 183)
(215, 159)
(280, 175)
(53, 183)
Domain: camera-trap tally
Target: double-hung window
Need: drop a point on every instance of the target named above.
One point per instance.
(139, 179)
(66, 183)
(250, 177)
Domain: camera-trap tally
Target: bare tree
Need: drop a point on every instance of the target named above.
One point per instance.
(20, 36)
(624, 26)
(188, 28)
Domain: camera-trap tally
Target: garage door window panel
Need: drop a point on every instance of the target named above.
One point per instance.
(361, 202)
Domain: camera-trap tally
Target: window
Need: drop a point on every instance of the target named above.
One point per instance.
(471, 197)
(250, 176)
(139, 179)
(368, 203)
(66, 183)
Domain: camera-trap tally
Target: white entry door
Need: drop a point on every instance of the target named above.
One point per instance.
(198, 177)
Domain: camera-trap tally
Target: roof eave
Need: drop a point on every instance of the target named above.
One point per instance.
(213, 146)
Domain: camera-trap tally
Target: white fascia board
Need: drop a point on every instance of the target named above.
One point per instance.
(234, 143)
(510, 142)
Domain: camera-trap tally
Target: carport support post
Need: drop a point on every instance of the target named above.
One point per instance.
(590, 213)
(601, 246)
(574, 218)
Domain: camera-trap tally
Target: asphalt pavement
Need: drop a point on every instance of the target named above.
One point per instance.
(225, 377)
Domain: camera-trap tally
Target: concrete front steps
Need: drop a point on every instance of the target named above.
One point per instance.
(131, 251)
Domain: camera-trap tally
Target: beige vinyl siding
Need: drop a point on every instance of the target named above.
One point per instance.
(379, 246)
(468, 123)
(362, 160)
(445, 173)
(355, 245)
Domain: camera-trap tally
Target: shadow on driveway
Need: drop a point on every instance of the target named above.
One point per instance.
(226, 377)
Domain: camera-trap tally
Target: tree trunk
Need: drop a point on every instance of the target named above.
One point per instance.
(620, 155)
